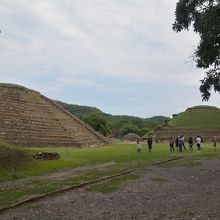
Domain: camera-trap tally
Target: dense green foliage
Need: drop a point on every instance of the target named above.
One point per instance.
(98, 123)
(79, 110)
(115, 125)
(204, 15)
(197, 119)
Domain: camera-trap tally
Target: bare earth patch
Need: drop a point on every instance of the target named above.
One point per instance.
(179, 192)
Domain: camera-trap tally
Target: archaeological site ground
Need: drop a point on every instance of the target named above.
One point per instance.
(95, 177)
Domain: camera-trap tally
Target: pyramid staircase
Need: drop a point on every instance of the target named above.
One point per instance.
(28, 118)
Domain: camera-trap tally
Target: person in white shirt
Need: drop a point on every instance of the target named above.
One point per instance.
(182, 138)
(138, 146)
(198, 143)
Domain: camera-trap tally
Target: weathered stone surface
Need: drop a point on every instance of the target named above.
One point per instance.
(163, 134)
(28, 118)
(46, 156)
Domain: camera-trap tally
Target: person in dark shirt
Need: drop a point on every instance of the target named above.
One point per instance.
(214, 143)
(171, 144)
(180, 143)
(149, 143)
(177, 143)
(183, 142)
(190, 141)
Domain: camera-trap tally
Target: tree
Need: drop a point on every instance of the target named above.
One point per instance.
(98, 123)
(130, 128)
(204, 15)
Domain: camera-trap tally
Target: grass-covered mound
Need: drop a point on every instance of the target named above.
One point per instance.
(13, 160)
(198, 117)
(204, 107)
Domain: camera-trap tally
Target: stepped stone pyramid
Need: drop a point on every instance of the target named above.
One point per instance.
(206, 131)
(28, 118)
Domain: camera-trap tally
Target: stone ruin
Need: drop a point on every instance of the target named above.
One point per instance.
(46, 156)
(30, 119)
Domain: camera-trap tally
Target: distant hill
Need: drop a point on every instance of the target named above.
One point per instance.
(79, 110)
(158, 119)
(119, 124)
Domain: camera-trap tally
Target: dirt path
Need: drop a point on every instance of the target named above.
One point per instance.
(160, 193)
(56, 175)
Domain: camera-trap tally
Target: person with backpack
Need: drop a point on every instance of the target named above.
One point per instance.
(171, 145)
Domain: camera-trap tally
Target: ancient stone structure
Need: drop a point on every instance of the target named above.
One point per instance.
(28, 118)
(132, 137)
(164, 133)
(205, 119)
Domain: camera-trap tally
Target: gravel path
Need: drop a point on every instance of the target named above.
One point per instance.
(160, 193)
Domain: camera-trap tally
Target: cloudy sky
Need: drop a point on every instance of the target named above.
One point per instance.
(120, 55)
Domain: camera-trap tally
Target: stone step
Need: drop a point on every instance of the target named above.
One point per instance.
(34, 134)
(25, 130)
(45, 144)
(19, 134)
(39, 139)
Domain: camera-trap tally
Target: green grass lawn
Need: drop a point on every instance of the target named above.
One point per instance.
(125, 156)
(76, 157)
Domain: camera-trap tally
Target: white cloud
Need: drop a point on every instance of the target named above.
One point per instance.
(70, 81)
(65, 43)
(115, 38)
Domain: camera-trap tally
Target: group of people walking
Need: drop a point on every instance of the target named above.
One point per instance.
(179, 142)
